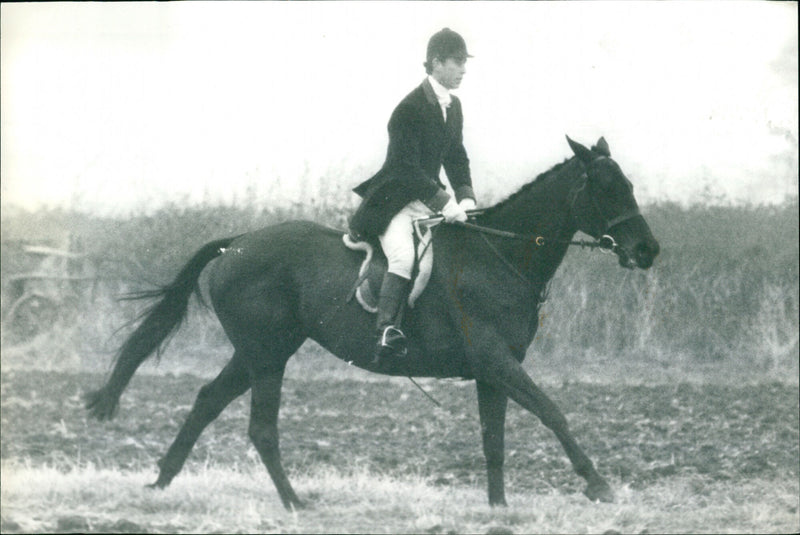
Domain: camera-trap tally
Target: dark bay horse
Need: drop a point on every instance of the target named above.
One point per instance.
(273, 288)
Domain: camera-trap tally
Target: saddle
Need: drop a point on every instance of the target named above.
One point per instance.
(373, 268)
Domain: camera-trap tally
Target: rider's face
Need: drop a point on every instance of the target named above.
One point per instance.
(449, 72)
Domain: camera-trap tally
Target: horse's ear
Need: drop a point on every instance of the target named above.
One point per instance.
(602, 147)
(583, 154)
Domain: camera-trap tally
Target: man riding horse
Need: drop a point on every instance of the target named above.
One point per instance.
(425, 133)
(276, 287)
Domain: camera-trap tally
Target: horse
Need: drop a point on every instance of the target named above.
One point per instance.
(273, 288)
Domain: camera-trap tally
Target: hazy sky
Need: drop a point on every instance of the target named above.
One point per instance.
(113, 107)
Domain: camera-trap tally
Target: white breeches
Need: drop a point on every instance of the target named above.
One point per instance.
(398, 240)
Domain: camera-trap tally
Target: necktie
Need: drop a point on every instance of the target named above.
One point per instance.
(444, 103)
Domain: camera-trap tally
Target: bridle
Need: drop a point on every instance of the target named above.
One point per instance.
(605, 243)
(608, 223)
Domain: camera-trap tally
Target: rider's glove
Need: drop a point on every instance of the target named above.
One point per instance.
(467, 204)
(453, 212)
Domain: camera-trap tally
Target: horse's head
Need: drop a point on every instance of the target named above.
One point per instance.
(602, 204)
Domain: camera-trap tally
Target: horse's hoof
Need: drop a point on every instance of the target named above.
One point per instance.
(101, 405)
(599, 492)
(296, 505)
(158, 485)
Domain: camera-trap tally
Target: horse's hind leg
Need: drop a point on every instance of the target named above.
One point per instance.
(265, 403)
(231, 383)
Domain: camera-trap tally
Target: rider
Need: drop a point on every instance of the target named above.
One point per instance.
(425, 133)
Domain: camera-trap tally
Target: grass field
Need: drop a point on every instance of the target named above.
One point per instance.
(681, 383)
(371, 454)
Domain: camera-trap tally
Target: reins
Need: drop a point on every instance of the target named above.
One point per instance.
(506, 261)
(606, 243)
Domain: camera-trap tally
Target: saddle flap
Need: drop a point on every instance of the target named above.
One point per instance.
(373, 268)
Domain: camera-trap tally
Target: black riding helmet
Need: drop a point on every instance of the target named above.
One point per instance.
(445, 44)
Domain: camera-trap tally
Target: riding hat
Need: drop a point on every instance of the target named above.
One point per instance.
(446, 44)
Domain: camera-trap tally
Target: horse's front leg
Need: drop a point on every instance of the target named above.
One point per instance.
(492, 404)
(502, 371)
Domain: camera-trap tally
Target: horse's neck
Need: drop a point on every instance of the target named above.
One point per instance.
(540, 210)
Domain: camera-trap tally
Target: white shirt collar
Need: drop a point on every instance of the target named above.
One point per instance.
(441, 92)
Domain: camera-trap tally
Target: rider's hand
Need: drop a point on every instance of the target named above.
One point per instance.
(467, 204)
(453, 212)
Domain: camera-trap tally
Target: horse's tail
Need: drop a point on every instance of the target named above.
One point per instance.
(159, 322)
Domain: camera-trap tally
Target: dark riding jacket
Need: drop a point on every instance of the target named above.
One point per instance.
(420, 143)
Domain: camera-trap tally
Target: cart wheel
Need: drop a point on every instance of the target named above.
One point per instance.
(29, 316)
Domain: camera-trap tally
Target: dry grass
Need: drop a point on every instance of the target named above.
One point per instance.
(84, 498)
(723, 293)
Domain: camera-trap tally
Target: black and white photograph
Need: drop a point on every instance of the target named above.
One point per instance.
(399, 267)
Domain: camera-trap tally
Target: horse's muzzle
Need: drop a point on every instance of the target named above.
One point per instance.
(640, 255)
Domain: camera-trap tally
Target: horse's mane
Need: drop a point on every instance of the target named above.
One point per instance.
(542, 177)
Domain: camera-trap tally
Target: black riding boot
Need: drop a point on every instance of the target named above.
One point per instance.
(391, 340)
